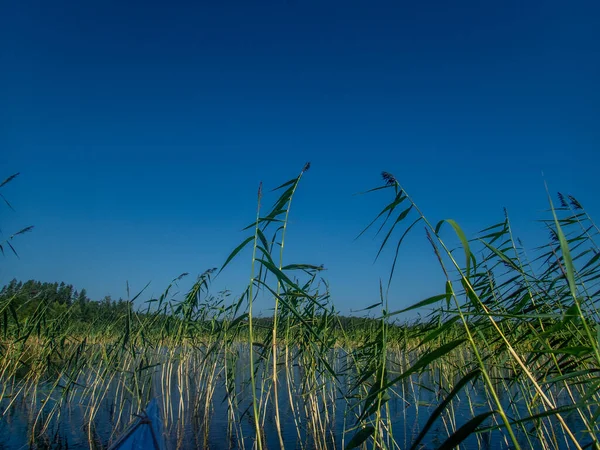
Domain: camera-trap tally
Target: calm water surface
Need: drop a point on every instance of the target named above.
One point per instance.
(409, 410)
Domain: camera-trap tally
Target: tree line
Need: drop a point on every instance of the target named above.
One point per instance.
(27, 297)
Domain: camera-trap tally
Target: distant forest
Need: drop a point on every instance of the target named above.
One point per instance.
(29, 296)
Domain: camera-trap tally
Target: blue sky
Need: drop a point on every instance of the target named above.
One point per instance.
(142, 129)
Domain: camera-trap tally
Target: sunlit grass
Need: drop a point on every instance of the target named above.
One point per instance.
(514, 336)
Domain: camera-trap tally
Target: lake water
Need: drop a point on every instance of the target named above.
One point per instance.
(190, 424)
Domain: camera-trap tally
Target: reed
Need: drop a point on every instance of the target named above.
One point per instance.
(508, 352)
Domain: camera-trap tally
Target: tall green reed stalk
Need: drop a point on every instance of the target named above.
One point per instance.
(515, 337)
(508, 314)
(284, 291)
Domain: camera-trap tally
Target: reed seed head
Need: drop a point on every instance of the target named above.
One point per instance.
(575, 203)
(561, 199)
(388, 178)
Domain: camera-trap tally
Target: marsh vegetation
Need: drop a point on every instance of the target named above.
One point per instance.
(508, 355)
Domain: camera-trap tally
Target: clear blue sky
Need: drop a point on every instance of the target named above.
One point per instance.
(142, 129)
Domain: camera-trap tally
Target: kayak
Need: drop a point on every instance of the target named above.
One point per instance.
(146, 432)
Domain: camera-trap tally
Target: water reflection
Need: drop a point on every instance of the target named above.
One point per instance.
(206, 405)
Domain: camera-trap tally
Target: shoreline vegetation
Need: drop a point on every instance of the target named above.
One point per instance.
(508, 353)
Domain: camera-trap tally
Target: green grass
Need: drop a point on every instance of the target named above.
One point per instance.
(520, 330)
